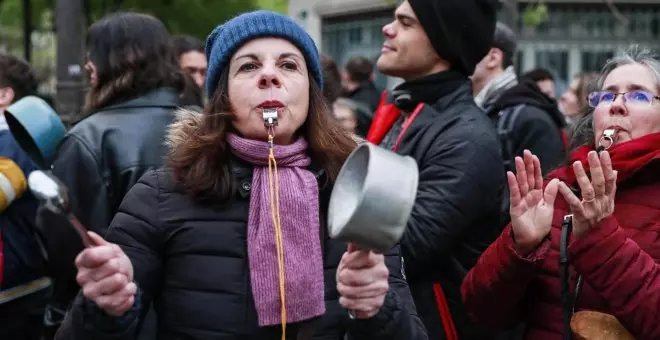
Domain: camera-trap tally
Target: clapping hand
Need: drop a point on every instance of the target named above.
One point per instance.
(531, 207)
(105, 274)
(362, 282)
(598, 193)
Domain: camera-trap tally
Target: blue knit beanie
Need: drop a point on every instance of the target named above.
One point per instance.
(225, 39)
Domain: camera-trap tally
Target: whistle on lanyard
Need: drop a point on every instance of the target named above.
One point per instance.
(607, 140)
(270, 117)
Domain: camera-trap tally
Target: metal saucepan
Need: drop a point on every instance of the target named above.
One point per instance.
(372, 198)
(37, 128)
(53, 195)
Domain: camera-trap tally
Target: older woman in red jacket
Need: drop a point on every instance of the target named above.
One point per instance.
(613, 197)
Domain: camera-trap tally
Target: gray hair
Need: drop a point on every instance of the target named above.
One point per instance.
(634, 54)
(582, 133)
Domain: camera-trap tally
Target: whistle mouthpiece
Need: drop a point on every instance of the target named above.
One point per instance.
(608, 139)
(611, 133)
(270, 117)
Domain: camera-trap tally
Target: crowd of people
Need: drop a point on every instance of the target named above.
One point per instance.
(535, 216)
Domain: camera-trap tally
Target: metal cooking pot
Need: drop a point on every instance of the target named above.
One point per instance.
(36, 127)
(372, 198)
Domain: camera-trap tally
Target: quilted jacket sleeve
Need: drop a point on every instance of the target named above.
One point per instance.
(624, 275)
(135, 229)
(494, 289)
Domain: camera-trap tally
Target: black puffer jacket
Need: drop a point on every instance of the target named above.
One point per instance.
(191, 263)
(456, 212)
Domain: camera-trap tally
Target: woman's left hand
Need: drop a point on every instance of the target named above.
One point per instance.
(597, 195)
(362, 282)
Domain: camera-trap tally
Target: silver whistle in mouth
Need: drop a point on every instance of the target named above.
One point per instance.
(270, 117)
(608, 139)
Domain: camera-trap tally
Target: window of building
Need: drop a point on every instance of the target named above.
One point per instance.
(361, 35)
(518, 62)
(594, 61)
(556, 62)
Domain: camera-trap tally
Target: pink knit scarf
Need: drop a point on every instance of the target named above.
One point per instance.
(299, 207)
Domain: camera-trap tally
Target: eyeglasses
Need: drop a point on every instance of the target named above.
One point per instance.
(633, 97)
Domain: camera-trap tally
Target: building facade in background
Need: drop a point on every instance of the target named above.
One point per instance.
(578, 36)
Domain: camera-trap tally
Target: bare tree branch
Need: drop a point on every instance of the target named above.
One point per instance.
(615, 11)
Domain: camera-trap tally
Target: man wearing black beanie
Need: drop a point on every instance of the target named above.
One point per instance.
(434, 46)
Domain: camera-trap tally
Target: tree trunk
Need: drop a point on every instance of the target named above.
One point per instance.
(70, 58)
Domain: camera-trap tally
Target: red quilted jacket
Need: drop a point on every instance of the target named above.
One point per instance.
(618, 260)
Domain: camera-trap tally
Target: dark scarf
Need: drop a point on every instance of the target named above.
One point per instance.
(405, 97)
(627, 158)
(428, 89)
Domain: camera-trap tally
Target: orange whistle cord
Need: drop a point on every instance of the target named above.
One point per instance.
(273, 185)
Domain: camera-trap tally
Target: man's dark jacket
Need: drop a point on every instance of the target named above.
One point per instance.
(456, 212)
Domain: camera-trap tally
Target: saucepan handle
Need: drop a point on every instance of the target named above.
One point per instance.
(81, 230)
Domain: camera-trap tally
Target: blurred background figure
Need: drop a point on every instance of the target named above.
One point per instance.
(343, 109)
(16, 81)
(573, 102)
(189, 51)
(24, 288)
(526, 118)
(332, 89)
(358, 81)
(544, 80)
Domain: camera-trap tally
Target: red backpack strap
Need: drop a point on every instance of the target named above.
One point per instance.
(384, 118)
(445, 314)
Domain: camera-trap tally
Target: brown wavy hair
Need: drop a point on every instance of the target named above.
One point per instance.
(200, 159)
(132, 56)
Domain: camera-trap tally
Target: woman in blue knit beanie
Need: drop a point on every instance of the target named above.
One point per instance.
(229, 241)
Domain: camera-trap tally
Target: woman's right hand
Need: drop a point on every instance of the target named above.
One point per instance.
(105, 274)
(531, 208)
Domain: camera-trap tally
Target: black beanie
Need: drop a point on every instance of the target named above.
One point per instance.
(461, 31)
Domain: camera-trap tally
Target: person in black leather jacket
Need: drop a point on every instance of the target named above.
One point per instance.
(226, 246)
(136, 86)
(136, 83)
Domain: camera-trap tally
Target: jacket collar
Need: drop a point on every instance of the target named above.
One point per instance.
(163, 97)
(242, 172)
(461, 94)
